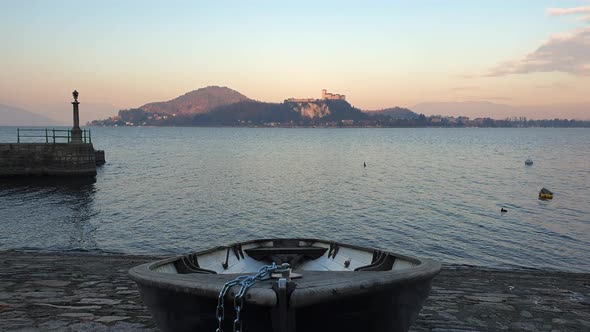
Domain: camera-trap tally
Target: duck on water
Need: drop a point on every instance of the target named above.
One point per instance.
(286, 285)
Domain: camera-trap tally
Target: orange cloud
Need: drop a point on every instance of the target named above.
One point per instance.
(568, 11)
(571, 11)
(568, 53)
(581, 10)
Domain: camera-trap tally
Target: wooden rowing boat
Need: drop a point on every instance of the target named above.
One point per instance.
(328, 286)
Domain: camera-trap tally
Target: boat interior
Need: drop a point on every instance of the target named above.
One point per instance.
(301, 255)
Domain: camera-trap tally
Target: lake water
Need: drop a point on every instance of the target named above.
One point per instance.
(427, 192)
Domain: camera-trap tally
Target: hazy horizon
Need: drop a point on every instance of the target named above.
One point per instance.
(532, 55)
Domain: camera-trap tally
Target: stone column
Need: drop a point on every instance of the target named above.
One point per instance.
(76, 131)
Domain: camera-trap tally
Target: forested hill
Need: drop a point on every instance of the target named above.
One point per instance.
(222, 106)
(197, 101)
(245, 112)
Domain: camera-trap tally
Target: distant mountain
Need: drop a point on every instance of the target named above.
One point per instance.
(486, 109)
(197, 101)
(258, 113)
(15, 116)
(472, 109)
(329, 110)
(248, 111)
(244, 112)
(216, 105)
(395, 113)
(62, 112)
(579, 111)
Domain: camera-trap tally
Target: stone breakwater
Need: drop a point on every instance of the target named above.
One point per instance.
(62, 159)
(86, 292)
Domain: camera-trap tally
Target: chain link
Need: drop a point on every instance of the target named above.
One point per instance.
(221, 302)
(245, 283)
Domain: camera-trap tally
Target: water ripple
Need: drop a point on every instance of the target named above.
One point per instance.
(427, 192)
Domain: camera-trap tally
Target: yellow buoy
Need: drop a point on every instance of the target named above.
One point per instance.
(545, 194)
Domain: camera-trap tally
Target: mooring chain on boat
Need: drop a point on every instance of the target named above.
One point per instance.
(245, 282)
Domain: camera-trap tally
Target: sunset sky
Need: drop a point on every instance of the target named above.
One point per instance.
(379, 53)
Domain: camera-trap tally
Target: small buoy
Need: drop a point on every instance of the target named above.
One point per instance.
(503, 210)
(528, 162)
(545, 194)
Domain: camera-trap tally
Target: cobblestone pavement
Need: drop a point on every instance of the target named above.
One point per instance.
(85, 292)
(70, 292)
(477, 299)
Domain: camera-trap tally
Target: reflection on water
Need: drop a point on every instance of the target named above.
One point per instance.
(61, 209)
(63, 184)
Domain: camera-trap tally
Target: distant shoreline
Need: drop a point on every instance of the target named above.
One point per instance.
(340, 127)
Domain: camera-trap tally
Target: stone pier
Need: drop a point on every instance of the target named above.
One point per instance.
(76, 157)
(87, 292)
(59, 159)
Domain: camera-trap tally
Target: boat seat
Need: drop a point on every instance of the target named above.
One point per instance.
(383, 263)
(189, 264)
(262, 252)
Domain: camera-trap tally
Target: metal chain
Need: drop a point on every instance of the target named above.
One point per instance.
(220, 300)
(245, 283)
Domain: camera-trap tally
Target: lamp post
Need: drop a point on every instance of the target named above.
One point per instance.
(76, 131)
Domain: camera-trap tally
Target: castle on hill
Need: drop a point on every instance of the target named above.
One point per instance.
(325, 96)
(332, 96)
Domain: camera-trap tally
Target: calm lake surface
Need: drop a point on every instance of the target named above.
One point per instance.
(426, 192)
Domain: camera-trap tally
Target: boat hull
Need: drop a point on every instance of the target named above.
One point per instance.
(392, 310)
(321, 300)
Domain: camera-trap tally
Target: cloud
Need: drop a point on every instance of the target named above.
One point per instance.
(488, 97)
(568, 11)
(464, 88)
(553, 86)
(568, 53)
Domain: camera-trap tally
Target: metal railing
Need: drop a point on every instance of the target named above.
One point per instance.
(50, 135)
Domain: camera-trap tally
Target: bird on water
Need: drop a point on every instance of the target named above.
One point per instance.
(365, 164)
(503, 210)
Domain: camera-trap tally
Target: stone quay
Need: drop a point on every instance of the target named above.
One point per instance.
(59, 159)
(75, 157)
(56, 291)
